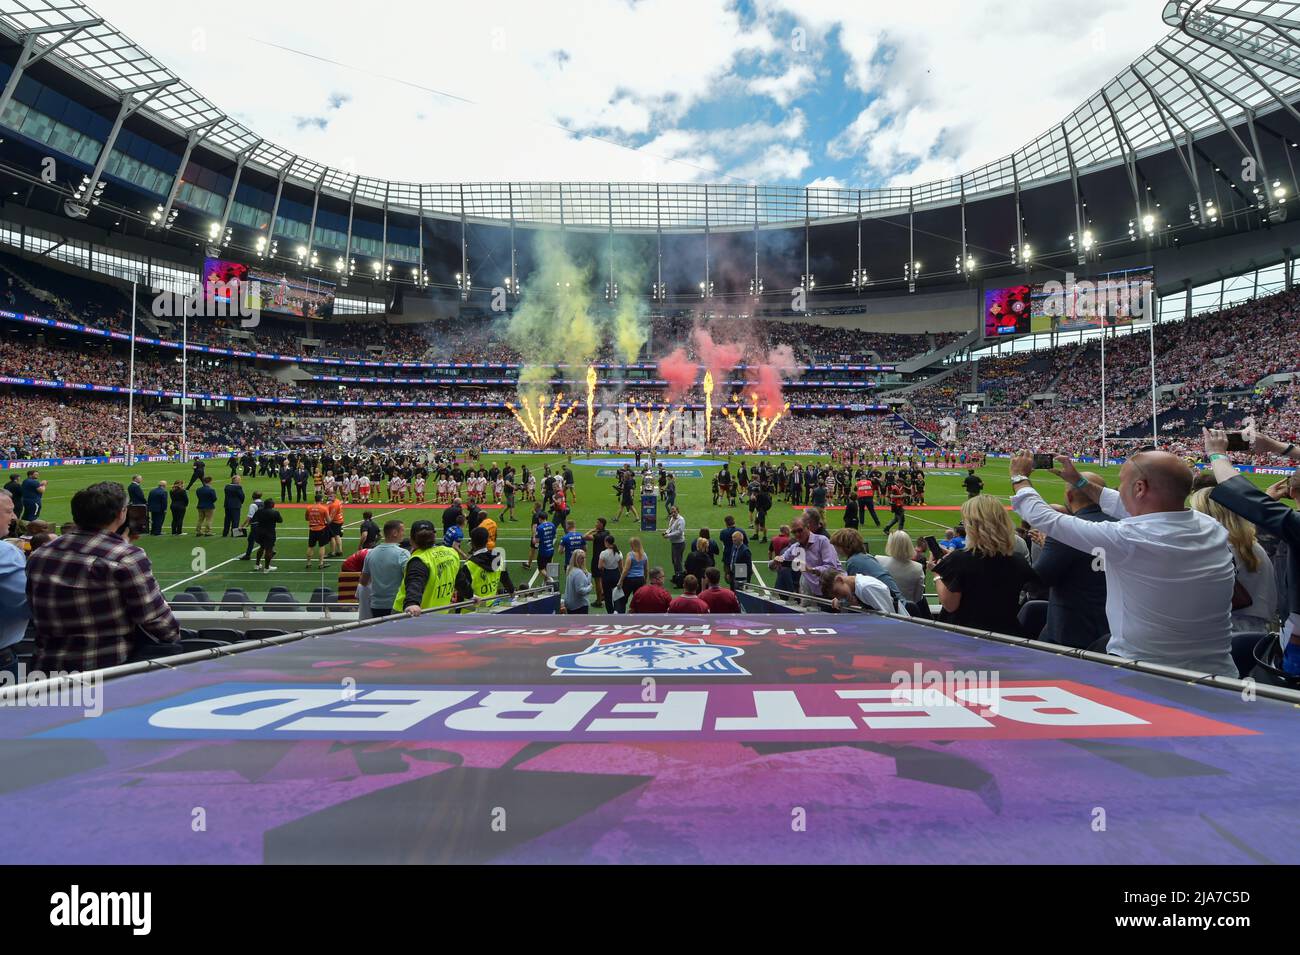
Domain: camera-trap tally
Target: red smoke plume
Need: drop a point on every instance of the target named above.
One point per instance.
(768, 377)
(718, 357)
(679, 371)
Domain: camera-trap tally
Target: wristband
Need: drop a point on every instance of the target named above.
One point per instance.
(1080, 484)
(1216, 456)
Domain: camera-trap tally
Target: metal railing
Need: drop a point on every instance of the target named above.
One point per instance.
(1235, 684)
(797, 601)
(9, 693)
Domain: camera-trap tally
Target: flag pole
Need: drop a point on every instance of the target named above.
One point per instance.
(1151, 329)
(130, 392)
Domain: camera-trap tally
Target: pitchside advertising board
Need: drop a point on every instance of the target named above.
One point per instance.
(823, 738)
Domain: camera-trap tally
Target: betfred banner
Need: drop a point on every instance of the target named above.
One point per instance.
(722, 738)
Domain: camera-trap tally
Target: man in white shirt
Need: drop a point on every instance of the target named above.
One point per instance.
(1169, 572)
(676, 535)
(867, 591)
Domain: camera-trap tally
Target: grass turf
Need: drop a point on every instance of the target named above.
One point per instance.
(213, 562)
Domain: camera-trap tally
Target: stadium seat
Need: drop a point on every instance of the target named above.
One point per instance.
(153, 651)
(919, 608)
(235, 595)
(281, 601)
(321, 596)
(263, 633)
(277, 589)
(200, 643)
(1243, 651)
(222, 634)
(1033, 617)
(201, 595)
(184, 601)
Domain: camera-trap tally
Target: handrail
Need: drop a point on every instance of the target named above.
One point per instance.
(9, 693)
(1283, 694)
(805, 598)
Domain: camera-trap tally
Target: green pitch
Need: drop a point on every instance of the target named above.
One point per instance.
(213, 562)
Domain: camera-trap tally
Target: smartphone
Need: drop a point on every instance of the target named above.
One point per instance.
(1237, 441)
(1044, 462)
(137, 519)
(935, 550)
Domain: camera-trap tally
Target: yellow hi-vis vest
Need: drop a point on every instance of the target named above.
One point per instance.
(440, 590)
(486, 583)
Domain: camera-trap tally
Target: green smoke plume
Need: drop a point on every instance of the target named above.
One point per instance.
(631, 321)
(553, 322)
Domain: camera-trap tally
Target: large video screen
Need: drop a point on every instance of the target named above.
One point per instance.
(268, 291)
(1006, 311)
(1069, 304)
(1112, 298)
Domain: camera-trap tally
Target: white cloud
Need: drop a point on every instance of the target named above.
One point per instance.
(775, 163)
(961, 83)
(827, 182)
(943, 88)
(528, 68)
(785, 88)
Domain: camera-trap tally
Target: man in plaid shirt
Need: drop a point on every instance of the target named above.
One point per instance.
(92, 593)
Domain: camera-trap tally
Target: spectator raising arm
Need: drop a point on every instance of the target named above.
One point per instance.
(1077, 533)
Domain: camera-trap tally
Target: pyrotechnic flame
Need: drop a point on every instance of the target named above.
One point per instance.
(648, 427)
(591, 399)
(752, 424)
(708, 406)
(541, 426)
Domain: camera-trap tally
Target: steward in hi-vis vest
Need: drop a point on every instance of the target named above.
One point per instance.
(430, 575)
(484, 575)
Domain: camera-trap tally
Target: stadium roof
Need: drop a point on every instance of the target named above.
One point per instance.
(1224, 62)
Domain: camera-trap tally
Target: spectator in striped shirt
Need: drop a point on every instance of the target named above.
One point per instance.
(92, 594)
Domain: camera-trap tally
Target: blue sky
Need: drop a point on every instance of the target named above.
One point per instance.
(792, 92)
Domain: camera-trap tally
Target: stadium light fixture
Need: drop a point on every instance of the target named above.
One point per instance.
(659, 291)
(808, 282)
(910, 272)
(859, 279)
(611, 292)
(706, 290)
(756, 287)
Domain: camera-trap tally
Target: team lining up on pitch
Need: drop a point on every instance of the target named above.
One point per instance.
(988, 573)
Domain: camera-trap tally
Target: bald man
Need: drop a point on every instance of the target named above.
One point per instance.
(1169, 572)
(1076, 601)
